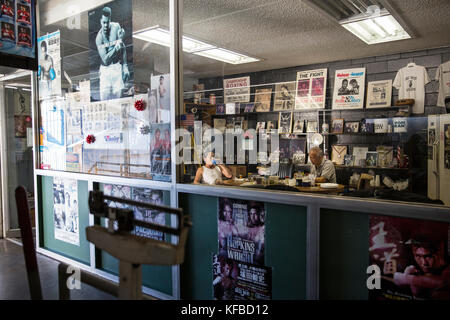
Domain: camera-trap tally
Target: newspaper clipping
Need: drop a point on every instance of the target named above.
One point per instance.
(65, 210)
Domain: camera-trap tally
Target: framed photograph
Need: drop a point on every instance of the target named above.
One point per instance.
(260, 127)
(349, 160)
(271, 127)
(379, 94)
(263, 98)
(285, 122)
(337, 126)
(352, 127)
(367, 126)
(284, 96)
(299, 123)
(249, 107)
(220, 108)
(312, 127)
(371, 159)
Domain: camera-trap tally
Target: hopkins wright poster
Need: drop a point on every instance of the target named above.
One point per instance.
(241, 230)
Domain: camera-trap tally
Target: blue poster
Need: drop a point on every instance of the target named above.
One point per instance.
(17, 36)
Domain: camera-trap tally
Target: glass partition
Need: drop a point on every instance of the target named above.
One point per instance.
(274, 91)
(104, 89)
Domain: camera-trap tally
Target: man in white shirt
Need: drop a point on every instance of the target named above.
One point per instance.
(323, 169)
(410, 82)
(443, 77)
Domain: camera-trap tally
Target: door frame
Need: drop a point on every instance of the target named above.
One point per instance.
(5, 230)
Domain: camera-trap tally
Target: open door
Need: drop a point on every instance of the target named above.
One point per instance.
(16, 146)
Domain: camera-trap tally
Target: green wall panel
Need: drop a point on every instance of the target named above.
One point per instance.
(79, 253)
(155, 277)
(344, 255)
(285, 248)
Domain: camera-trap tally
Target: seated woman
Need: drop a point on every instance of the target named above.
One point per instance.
(211, 173)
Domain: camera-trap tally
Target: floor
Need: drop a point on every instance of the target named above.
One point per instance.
(14, 283)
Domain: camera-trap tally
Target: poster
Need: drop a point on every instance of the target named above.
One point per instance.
(160, 152)
(17, 20)
(447, 146)
(349, 86)
(65, 210)
(111, 30)
(146, 215)
(379, 94)
(160, 97)
(49, 69)
(52, 134)
(311, 89)
(233, 280)
(241, 230)
(21, 124)
(263, 98)
(236, 90)
(412, 256)
(284, 96)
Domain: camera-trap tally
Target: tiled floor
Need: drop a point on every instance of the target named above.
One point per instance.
(14, 283)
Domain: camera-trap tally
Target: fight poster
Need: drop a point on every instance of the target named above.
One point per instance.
(349, 88)
(412, 256)
(160, 152)
(241, 230)
(17, 21)
(142, 195)
(49, 68)
(234, 280)
(111, 51)
(159, 102)
(311, 89)
(65, 210)
(236, 90)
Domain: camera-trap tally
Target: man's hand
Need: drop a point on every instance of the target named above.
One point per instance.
(403, 279)
(121, 33)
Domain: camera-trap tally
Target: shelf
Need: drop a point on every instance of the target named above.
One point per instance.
(375, 168)
(360, 134)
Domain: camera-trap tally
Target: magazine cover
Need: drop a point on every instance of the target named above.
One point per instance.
(349, 87)
(49, 68)
(111, 30)
(284, 96)
(412, 256)
(241, 234)
(236, 90)
(379, 94)
(311, 89)
(263, 98)
(234, 280)
(65, 210)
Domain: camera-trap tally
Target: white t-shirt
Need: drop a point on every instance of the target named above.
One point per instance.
(443, 77)
(411, 81)
(210, 175)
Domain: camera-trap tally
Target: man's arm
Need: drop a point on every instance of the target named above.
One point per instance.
(225, 171)
(198, 176)
(125, 70)
(106, 57)
(328, 172)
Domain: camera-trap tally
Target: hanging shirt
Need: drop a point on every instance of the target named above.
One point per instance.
(443, 77)
(410, 82)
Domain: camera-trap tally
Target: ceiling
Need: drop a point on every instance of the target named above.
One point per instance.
(282, 33)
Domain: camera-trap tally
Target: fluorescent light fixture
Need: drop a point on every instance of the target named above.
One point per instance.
(10, 87)
(375, 28)
(161, 36)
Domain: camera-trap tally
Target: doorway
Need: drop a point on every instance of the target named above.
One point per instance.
(17, 140)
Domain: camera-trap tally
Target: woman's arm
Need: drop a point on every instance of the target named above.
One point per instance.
(198, 176)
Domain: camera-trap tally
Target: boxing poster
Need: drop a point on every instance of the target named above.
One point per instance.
(412, 258)
(241, 230)
(111, 51)
(349, 88)
(65, 210)
(160, 152)
(311, 89)
(234, 280)
(18, 35)
(49, 68)
(236, 90)
(142, 195)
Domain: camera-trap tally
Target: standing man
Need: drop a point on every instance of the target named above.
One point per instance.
(113, 72)
(46, 64)
(323, 169)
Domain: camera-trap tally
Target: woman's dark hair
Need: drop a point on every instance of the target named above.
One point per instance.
(44, 45)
